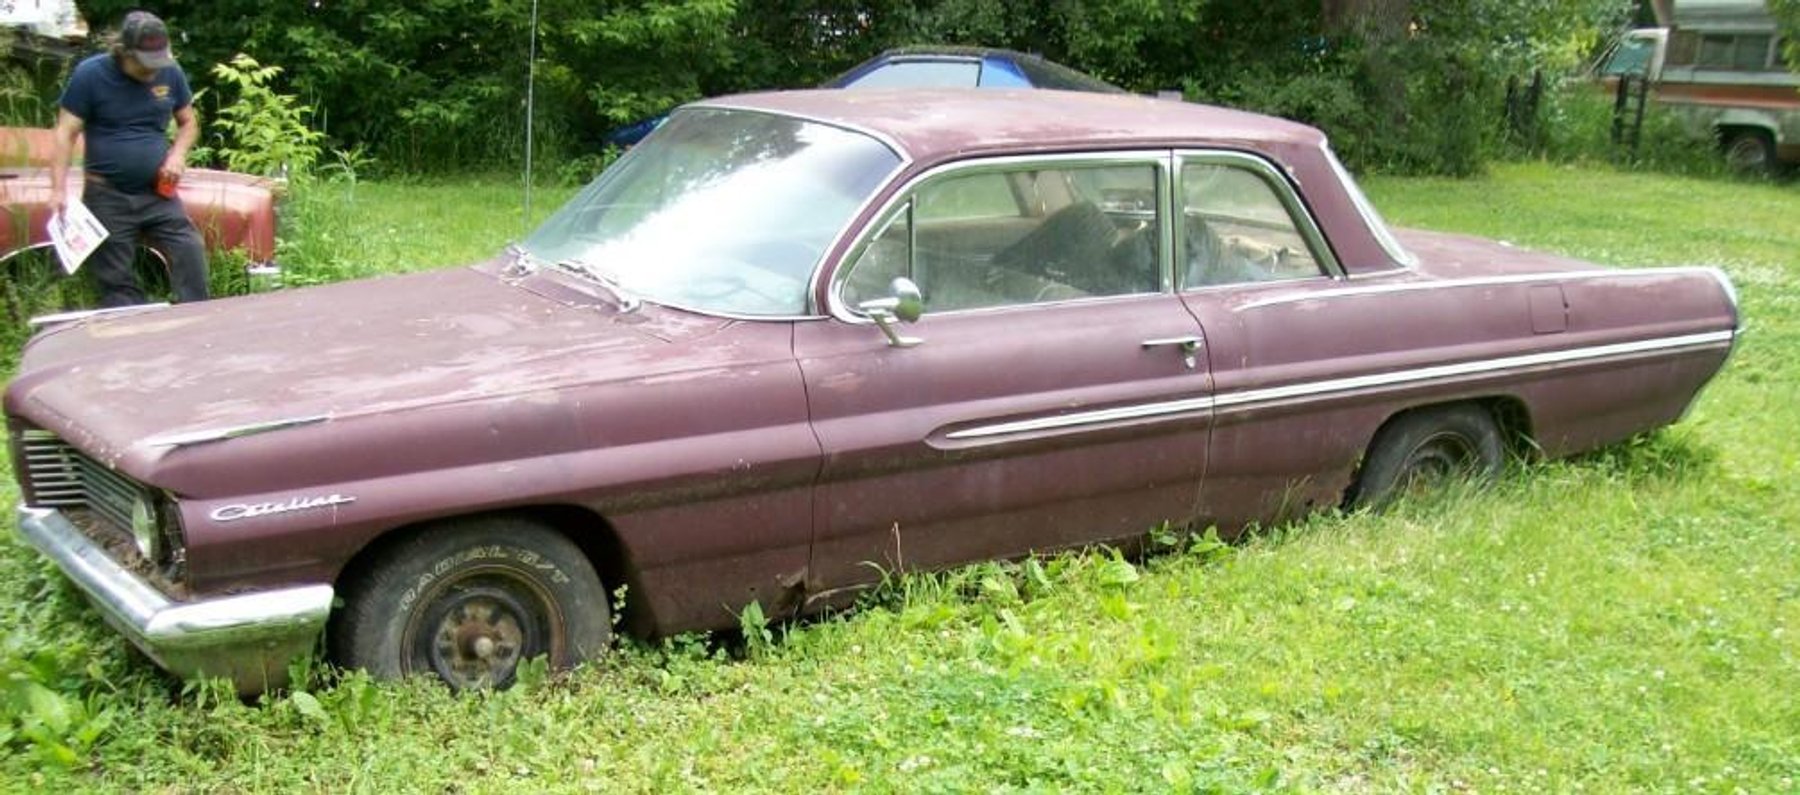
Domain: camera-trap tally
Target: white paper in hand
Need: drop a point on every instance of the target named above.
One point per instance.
(76, 233)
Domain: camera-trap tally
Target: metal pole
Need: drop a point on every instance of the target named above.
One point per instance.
(530, 109)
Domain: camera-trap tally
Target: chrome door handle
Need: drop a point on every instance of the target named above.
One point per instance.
(1189, 345)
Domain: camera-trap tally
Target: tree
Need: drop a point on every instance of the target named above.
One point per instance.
(1787, 15)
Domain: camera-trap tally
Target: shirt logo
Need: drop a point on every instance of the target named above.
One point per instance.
(160, 92)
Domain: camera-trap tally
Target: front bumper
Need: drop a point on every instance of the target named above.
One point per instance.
(247, 638)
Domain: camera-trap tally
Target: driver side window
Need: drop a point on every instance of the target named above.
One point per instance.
(996, 238)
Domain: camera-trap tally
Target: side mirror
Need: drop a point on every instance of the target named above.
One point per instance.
(905, 305)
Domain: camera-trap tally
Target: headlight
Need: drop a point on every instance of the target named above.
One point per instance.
(144, 528)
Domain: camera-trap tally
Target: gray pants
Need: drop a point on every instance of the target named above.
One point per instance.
(134, 218)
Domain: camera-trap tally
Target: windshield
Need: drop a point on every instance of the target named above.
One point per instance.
(723, 211)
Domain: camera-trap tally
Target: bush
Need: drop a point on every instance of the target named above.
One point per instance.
(1578, 125)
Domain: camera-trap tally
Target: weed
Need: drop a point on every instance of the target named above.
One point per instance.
(265, 132)
(758, 638)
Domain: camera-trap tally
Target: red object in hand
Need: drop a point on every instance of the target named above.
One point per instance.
(165, 184)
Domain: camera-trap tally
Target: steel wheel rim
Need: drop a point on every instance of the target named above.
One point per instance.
(1437, 459)
(476, 629)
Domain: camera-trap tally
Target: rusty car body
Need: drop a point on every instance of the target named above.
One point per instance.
(794, 341)
(234, 212)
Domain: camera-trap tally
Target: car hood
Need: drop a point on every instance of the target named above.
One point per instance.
(132, 386)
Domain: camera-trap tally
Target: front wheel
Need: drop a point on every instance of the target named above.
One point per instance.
(1425, 448)
(467, 602)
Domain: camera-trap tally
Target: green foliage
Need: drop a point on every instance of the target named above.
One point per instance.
(1787, 15)
(754, 626)
(265, 132)
(1578, 127)
(440, 85)
(56, 726)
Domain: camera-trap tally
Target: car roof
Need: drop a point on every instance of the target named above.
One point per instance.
(929, 125)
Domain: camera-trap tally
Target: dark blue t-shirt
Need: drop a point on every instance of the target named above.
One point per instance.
(126, 121)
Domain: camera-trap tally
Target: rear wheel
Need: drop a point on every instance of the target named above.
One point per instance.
(467, 602)
(1426, 448)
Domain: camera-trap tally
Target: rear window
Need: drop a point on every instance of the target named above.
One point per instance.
(921, 74)
(1045, 74)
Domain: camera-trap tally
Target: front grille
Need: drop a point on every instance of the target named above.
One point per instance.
(57, 475)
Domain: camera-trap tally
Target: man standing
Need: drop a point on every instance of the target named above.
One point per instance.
(123, 100)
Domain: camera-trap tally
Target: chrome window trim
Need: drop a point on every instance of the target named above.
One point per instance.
(1159, 158)
(1252, 397)
(1475, 281)
(1372, 219)
(1285, 192)
(905, 160)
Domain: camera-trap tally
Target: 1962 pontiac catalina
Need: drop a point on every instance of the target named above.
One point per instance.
(793, 341)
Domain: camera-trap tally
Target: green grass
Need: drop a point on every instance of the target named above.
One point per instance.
(1626, 621)
(343, 231)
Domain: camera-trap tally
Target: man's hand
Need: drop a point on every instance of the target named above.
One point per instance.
(173, 167)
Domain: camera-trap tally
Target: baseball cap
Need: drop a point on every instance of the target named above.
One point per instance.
(147, 39)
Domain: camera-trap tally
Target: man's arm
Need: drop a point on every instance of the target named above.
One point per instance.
(68, 125)
(187, 131)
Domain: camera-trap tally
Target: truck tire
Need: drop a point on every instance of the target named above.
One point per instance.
(1750, 152)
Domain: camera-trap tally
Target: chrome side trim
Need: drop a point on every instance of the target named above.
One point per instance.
(1475, 281)
(84, 314)
(1250, 397)
(1479, 367)
(232, 431)
(1725, 283)
(249, 638)
(1086, 418)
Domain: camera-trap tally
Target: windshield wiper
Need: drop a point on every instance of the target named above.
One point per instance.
(523, 261)
(627, 301)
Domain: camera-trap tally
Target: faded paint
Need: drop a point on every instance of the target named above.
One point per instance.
(234, 212)
(776, 460)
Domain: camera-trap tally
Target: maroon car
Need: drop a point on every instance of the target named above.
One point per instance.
(797, 340)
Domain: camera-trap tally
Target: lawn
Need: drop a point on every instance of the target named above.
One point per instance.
(1626, 621)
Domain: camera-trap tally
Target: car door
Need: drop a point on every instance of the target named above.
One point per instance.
(1054, 396)
(1255, 270)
